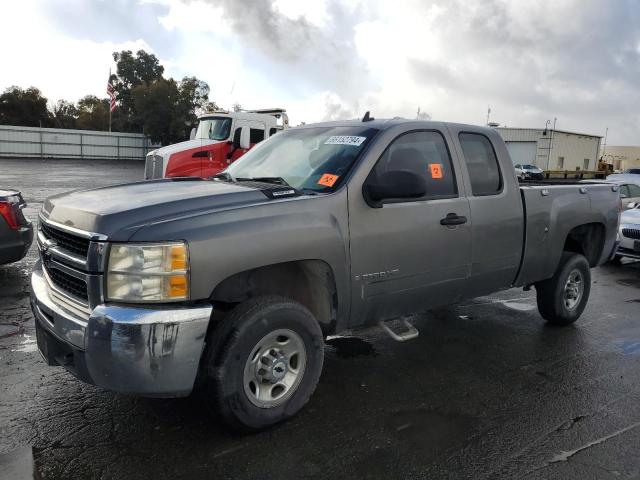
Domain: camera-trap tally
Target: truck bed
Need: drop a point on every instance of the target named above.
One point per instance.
(552, 210)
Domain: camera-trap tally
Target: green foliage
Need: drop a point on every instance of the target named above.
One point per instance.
(64, 114)
(24, 107)
(93, 113)
(147, 102)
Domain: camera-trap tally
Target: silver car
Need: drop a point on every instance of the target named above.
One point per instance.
(629, 234)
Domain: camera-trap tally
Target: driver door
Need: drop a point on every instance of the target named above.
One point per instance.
(403, 260)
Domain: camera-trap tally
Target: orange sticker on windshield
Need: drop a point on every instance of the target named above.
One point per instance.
(328, 180)
(436, 170)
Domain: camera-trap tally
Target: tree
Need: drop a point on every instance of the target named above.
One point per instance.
(26, 108)
(155, 104)
(93, 113)
(133, 71)
(193, 100)
(65, 114)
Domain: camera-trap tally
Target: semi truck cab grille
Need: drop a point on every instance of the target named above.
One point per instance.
(153, 167)
(65, 240)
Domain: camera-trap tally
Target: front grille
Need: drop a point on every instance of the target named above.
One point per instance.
(65, 240)
(153, 167)
(631, 233)
(68, 283)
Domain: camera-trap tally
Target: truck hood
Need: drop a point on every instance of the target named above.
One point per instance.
(119, 211)
(182, 146)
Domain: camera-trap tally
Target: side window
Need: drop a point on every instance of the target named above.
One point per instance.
(424, 153)
(273, 131)
(256, 135)
(634, 191)
(236, 136)
(624, 190)
(482, 164)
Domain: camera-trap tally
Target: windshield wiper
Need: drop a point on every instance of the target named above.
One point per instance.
(224, 176)
(276, 180)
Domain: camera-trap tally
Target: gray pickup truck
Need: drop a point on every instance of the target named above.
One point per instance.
(233, 283)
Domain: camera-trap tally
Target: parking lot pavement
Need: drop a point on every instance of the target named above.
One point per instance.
(486, 391)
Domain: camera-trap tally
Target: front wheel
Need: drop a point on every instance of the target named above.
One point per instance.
(263, 362)
(563, 297)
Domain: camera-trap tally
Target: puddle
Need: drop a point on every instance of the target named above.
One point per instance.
(629, 347)
(10, 329)
(18, 464)
(349, 347)
(521, 307)
(28, 345)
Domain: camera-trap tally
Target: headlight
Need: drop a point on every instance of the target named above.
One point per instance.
(148, 272)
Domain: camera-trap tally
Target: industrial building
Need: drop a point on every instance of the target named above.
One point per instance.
(552, 150)
(621, 157)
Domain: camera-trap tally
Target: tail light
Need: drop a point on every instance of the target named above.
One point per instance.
(11, 212)
(8, 212)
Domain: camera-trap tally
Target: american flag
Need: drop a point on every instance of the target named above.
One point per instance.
(112, 95)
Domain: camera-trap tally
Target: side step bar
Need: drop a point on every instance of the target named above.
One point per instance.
(406, 330)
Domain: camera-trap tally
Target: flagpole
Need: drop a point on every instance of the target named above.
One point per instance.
(109, 104)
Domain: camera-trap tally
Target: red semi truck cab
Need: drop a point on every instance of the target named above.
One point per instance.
(220, 138)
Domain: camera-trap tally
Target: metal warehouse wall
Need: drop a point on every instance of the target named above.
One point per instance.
(33, 142)
(574, 148)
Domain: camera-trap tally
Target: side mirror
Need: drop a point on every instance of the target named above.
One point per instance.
(192, 135)
(631, 205)
(395, 184)
(244, 138)
(623, 196)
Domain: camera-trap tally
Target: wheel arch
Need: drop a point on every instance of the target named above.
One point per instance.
(310, 282)
(587, 239)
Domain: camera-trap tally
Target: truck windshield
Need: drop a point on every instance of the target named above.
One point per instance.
(214, 128)
(306, 158)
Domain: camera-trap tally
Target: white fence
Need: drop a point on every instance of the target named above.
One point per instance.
(33, 142)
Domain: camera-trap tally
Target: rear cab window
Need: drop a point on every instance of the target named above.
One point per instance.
(482, 164)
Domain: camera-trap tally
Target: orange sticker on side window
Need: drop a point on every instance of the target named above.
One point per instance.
(436, 170)
(328, 180)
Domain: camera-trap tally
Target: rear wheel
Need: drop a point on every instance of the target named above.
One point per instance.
(563, 297)
(263, 362)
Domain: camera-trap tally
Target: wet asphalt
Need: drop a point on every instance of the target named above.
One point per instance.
(486, 391)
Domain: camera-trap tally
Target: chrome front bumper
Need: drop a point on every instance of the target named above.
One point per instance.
(144, 351)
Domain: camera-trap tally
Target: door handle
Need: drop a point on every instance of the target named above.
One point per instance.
(453, 219)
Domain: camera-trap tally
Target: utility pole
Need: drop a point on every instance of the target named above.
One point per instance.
(604, 146)
(553, 129)
(488, 113)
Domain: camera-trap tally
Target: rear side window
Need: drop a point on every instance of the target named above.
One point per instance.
(634, 191)
(424, 153)
(256, 135)
(482, 164)
(273, 131)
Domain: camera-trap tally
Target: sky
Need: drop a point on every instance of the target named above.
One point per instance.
(531, 61)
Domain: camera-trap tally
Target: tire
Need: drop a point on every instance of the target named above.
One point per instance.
(560, 303)
(260, 335)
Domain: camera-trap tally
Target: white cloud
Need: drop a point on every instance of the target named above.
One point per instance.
(61, 66)
(575, 60)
